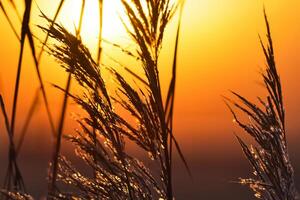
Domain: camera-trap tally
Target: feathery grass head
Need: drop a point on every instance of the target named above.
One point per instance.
(103, 149)
(269, 157)
(102, 140)
(104, 132)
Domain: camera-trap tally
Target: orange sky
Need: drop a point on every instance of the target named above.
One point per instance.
(219, 50)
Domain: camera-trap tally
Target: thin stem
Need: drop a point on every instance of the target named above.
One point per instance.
(63, 113)
(59, 137)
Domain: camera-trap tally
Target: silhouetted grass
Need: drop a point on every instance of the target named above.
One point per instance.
(274, 174)
(101, 143)
(100, 31)
(14, 180)
(88, 75)
(13, 173)
(13, 177)
(52, 187)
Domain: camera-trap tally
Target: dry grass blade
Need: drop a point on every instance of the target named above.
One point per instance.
(15, 9)
(25, 29)
(26, 32)
(9, 21)
(42, 86)
(56, 153)
(13, 169)
(47, 35)
(100, 31)
(80, 18)
(3, 110)
(169, 106)
(13, 172)
(270, 159)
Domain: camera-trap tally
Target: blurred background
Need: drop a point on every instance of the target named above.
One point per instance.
(219, 51)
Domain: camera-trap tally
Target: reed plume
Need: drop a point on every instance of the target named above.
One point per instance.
(274, 174)
(104, 132)
(57, 145)
(117, 175)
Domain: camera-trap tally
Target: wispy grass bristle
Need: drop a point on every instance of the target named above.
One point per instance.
(269, 157)
(102, 140)
(105, 131)
(52, 185)
(15, 195)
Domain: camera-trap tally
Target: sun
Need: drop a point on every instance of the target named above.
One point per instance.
(112, 26)
(70, 14)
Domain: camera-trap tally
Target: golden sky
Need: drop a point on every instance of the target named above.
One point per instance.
(219, 50)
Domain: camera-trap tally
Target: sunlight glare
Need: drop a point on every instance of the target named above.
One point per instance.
(112, 27)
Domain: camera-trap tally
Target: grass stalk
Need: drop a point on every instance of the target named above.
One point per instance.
(56, 153)
(12, 156)
(100, 31)
(101, 142)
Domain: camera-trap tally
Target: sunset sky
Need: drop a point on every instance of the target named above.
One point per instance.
(219, 51)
